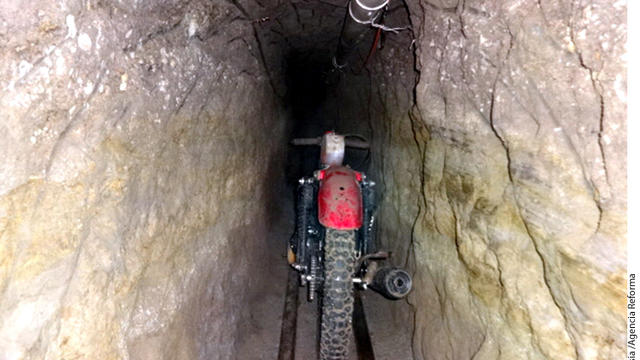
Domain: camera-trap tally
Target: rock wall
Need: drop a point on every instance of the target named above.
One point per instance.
(506, 183)
(139, 141)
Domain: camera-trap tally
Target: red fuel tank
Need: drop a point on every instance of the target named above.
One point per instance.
(339, 199)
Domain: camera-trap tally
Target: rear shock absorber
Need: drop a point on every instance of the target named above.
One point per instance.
(304, 217)
(306, 235)
(368, 226)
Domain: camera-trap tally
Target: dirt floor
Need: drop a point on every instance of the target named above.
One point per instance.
(391, 339)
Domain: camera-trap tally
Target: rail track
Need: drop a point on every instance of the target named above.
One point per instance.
(296, 330)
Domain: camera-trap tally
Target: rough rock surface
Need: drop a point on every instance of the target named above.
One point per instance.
(141, 142)
(133, 178)
(518, 146)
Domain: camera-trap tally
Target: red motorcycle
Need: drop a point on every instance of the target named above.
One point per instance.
(333, 247)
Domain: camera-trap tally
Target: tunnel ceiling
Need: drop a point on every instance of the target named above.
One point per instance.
(303, 24)
(300, 27)
(307, 32)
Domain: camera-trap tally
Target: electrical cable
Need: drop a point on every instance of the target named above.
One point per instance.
(382, 27)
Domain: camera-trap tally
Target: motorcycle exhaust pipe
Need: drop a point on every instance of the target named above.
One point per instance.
(392, 283)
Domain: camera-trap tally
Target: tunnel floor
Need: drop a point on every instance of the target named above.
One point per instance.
(390, 340)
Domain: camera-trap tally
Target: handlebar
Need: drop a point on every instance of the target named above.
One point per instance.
(358, 144)
(306, 141)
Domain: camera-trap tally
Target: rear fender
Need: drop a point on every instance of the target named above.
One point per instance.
(340, 199)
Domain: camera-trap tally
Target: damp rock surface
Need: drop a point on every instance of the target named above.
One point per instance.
(136, 139)
(518, 143)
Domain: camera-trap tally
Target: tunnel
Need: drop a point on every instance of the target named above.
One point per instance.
(148, 183)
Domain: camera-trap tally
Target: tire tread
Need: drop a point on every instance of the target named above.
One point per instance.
(337, 300)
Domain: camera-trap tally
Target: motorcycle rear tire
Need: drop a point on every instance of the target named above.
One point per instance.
(337, 300)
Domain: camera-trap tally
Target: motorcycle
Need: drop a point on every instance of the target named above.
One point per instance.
(333, 247)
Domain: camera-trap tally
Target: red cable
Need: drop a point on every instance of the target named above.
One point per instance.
(373, 47)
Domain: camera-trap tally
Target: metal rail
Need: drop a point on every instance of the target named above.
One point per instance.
(287, 349)
(361, 330)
